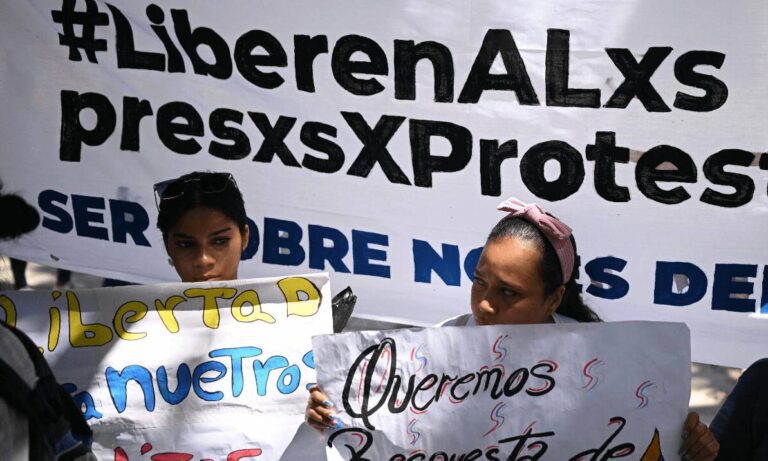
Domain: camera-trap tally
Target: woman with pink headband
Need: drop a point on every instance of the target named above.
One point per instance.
(525, 275)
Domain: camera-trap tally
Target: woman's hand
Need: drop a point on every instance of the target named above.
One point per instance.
(320, 410)
(699, 443)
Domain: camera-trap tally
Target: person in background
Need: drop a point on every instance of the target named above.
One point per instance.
(19, 271)
(39, 421)
(63, 279)
(525, 275)
(18, 218)
(741, 424)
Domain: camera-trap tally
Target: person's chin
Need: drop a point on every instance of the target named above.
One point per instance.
(482, 322)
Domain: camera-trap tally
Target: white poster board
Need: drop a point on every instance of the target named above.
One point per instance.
(374, 140)
(214, 370)
(550, 392)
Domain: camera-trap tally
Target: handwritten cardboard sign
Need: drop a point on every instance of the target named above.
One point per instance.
(216, 370)
(524, 392)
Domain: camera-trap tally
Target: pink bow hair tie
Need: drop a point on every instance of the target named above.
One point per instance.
(532, 212)
(553, 229)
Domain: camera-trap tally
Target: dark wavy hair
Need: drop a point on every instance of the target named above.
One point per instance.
(549, 266)
(188, 195)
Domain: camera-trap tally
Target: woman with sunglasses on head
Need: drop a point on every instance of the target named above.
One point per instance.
(525, 275)
(205, 229)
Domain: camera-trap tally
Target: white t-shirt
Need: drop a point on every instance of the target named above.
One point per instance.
(467, 320)
(14, 442)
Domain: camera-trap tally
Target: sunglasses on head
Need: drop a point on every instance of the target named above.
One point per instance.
(208, 183)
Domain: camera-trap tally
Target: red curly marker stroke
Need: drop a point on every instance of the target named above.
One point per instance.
(640, 393)
(499, 348)
(496, 417)
(590, 372)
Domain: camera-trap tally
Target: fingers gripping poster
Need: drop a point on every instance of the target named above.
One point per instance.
(374, 140)
(532, 392)
(183, 371)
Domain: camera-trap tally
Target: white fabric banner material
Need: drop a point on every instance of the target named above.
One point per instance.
(560, 392)
(374, 140)
(176, 371)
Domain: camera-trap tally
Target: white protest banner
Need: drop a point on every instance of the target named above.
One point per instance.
(374, 140)
(524, 392)
(175, 371)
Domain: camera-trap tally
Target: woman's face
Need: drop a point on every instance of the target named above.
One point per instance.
(508, 288)
(205, 245)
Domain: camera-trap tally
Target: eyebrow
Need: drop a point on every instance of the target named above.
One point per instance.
(185, 236)
(514, 286)
(505, 282)
(220, 231)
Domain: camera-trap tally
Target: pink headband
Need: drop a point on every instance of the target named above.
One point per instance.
(555, 230)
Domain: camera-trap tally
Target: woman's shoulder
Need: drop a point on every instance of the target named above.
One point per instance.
(458, 321)
(467, 320)
(560, 318)
(464, 320)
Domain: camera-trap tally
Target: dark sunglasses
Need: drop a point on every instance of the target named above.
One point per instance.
(209, 183)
